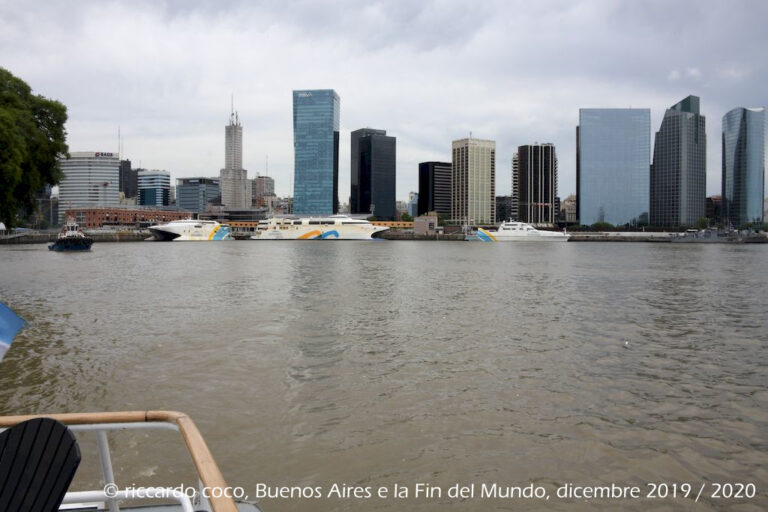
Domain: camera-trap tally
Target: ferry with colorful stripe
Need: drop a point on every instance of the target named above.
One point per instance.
(334, 227)
(520, 232)
(191, 230)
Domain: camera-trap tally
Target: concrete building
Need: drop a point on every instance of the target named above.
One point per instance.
(743, 181)
(426, 224)
(373, 173)
(154, 188)
(473, 182)
(193, 194)
(263, 187)
(435, 188)
(679, 170)
(568, 210)
(236, 188)
(89, 179)
(316, 116)
(613, 147)
(535, 184)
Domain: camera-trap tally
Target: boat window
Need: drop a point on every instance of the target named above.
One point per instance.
(198, 225)
(314, 222)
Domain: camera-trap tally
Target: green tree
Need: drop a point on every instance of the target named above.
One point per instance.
(702, 223)
(32, 138)
(406, 217)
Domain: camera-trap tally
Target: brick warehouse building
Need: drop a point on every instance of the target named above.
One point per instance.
(130, 217)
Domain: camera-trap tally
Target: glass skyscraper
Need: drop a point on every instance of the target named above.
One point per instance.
(743, 165)
(679, 171)
(316, 152)
(613, 151)
(373, 175)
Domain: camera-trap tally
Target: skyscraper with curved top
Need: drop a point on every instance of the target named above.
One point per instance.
(743, 165)
(316, 152)
(679, 170)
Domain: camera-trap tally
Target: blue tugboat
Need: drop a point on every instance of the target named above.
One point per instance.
(71, 239)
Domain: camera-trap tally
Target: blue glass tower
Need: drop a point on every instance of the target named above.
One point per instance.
(613, 163)
(743, 165)
(316, 152)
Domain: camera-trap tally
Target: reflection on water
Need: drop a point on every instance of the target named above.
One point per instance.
(382, 363)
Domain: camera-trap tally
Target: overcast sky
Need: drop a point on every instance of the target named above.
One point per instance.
(427, 72)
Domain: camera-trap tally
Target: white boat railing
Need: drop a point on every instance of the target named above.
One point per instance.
(209, 475)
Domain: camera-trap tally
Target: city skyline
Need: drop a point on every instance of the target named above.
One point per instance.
(170, 102)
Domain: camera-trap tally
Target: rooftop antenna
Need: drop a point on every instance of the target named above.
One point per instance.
(470, 134)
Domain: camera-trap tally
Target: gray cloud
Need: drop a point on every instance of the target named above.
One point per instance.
(428, 72)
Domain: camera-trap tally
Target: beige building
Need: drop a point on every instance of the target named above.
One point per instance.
(473, 194)
(236, 188)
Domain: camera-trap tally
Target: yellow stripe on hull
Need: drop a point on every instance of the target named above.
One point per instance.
(311, 234)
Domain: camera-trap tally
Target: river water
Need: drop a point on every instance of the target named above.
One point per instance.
(380, 363)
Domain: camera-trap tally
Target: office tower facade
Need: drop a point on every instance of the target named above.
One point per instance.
(129, 180)
(193, 194)
(435, 188)
(743, 182)
(473, 182)
(679, 169)
(89, 179)
(534, 183)
(154, 187)
(613, 147)
(373, 173)
(515, 200)
(504, 209)
(236, 188)
(263, 186)
(316, 118)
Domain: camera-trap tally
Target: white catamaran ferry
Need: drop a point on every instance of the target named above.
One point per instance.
(335, 227)
(190, 229)
(520, 232)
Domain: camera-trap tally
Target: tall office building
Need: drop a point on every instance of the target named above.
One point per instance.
(89, 179)
(129, 179)
(743, 166)
(534, 183)
(373, 175)
(473, 196)
(613, 148)
(435, 188)
(236, 188)
(316, 152)
(154, 187)
(679, 170)
(194, 194)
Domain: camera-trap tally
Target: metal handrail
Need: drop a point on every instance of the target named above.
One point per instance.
(208, 471)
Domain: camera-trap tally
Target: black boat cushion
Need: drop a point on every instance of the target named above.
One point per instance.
(38, 459)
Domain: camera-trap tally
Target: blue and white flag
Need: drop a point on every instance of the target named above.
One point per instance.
(10, 324)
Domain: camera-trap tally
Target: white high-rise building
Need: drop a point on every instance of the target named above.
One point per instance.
(236, 188)
(90, 179)
(473, 193)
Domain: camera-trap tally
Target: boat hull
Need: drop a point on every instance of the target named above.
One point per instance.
(329, 228)
(71, 244)
(190, 232)
(537, 236)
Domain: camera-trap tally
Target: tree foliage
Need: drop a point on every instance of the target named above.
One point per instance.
(32, 138)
